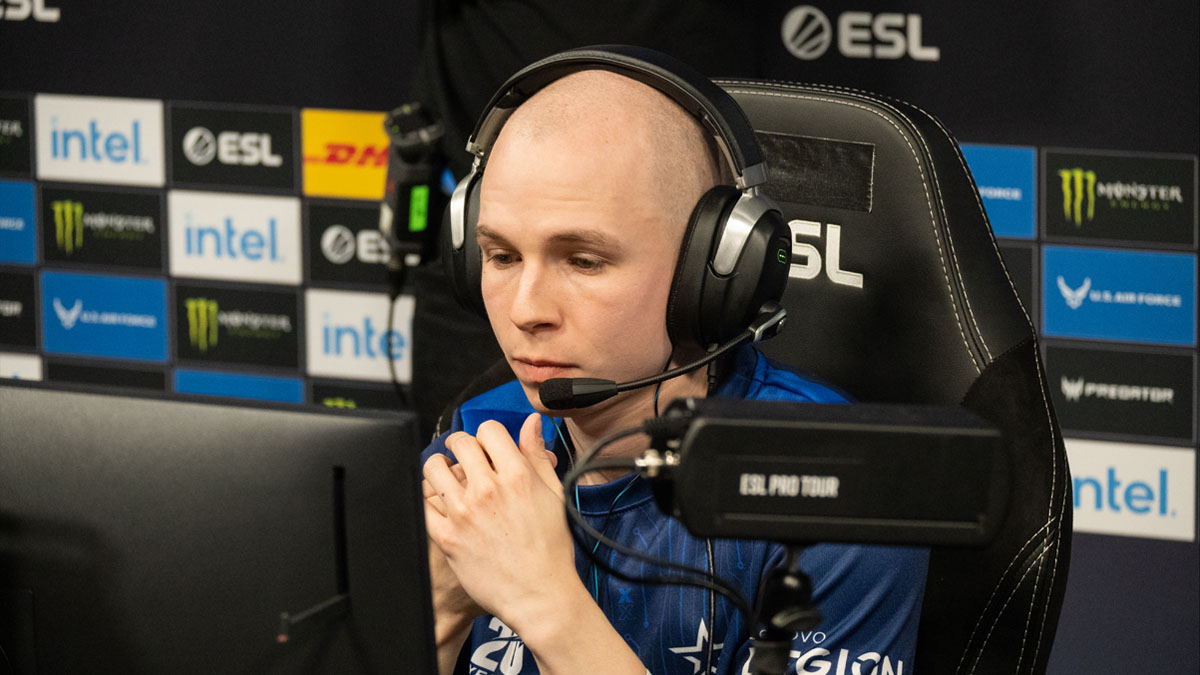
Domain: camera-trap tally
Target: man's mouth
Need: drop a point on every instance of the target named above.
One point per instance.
(539, 370)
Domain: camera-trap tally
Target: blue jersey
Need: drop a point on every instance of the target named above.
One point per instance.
(869, 596)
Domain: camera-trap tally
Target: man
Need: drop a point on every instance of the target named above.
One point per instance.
(583, 206)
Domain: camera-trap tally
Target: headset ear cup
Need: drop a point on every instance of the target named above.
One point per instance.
(731, 302)
(464, 263)
(685, 320)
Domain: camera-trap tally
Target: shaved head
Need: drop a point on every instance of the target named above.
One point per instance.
(582, 208)
(597, 111)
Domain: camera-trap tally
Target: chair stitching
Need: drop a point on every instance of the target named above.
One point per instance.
(1062, 507)
(1020, 554)
(1051, 519)
(1016, 587)
(928, 199)
(991, 235)
(1057, 534)
(954, 254)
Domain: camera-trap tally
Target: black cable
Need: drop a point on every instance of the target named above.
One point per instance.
(397, 286)
(694, 577)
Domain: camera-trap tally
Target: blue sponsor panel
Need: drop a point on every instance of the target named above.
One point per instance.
(236, 385)
(105, 316)
(1136, 296)
(1007, 180)
(18, 238)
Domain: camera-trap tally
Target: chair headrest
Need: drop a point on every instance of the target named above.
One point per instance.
(892, 256)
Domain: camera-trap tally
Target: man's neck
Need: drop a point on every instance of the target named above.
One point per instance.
(628, 410)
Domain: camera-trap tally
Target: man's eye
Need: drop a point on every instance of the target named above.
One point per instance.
(500, 258)
(586, 263)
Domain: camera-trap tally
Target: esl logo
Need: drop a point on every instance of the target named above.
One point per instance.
(345, 245)
(347, 336)
(808, 34)
(232, 147)
(201, 146)
(809, 258)
(93, 139)
(234, 237)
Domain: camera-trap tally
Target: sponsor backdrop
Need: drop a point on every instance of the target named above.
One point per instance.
(196, 211)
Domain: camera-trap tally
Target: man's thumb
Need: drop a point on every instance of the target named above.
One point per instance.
(533, 446)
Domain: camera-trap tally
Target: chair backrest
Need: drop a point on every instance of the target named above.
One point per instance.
(898, 294)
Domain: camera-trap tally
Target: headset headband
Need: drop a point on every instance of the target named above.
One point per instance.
(705, 101)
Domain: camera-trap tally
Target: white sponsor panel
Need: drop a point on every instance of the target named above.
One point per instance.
(234, 237)
(95, 139)
(1133, 490)
(347, 339)
(20, 366)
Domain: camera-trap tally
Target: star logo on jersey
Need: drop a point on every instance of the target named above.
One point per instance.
(697, 653)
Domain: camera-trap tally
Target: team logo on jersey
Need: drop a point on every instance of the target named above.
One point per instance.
(504, 655)
(697, 654)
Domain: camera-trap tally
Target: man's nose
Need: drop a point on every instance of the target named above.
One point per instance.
(535, 305)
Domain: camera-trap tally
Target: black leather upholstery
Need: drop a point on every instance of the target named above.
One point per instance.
(933, 318)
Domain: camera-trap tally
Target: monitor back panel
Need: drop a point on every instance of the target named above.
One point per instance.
(152, 536)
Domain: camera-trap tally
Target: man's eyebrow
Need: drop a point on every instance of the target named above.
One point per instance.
(485, 232)
(584, 237)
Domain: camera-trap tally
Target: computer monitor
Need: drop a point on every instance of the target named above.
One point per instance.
(142, 535)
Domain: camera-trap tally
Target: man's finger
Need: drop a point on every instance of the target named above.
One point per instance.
(427, 490)
(470, 455)
(441, 481)
(499, 446)
(533, 446)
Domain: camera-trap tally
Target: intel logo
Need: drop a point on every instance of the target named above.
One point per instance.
(84, 138)
(348, 336)
(234, 237)
(230, 242)
(1133, 490)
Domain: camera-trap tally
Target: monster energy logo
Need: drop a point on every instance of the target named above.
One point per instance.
(1078, 186)
(339, 402)
(68, 225)
(202, 323)
(70, 221)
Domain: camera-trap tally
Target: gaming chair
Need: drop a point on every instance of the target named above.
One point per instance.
(898, 294)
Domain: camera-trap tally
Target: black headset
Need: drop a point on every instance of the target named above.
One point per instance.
(735, 252)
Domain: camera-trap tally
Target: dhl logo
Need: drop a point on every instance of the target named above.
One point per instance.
(350, 154)
(345, 154)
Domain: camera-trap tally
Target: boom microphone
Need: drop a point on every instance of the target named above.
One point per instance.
(569, 393)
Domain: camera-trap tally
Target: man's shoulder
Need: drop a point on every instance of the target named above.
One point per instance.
(765, 379)
(506, 404)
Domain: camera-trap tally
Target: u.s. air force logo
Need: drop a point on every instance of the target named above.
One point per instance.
(1074, 296)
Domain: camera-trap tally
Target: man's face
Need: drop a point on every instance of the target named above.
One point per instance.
(578, 256)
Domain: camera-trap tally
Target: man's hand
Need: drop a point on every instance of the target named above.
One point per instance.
(498, 518)
(500, 522)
